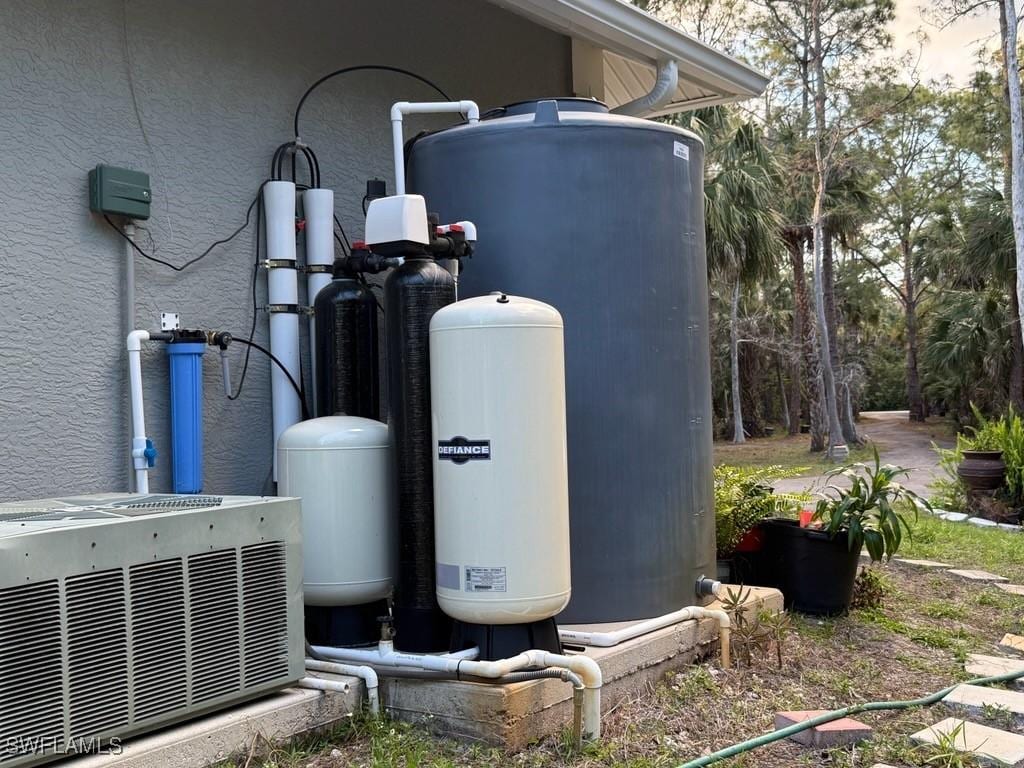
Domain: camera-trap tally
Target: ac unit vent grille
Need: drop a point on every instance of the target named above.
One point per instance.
(159, 650)
(265, 602)
(97, 653)
(216, 646)
(31, 669)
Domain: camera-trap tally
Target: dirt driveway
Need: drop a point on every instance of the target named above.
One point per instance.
(899, 442)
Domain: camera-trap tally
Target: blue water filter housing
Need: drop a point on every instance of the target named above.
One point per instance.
(186, 364)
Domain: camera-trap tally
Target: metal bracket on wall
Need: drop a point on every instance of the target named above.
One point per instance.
(170, 321)
(291, 309)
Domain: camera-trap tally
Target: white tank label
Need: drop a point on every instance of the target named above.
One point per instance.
(485, 579)
(681, 150)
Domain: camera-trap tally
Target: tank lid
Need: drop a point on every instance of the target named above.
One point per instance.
(565, 104)
(334, 432)
(496, 310)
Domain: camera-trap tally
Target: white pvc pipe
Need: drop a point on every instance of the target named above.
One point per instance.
(318, 208)
(138, 452)
(615, 637)
(585, 667)
(402, 108)
(129, 306)
(282, 288)
(319, 684)
(366, 674)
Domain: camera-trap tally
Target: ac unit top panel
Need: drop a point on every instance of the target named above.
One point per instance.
(48, 538)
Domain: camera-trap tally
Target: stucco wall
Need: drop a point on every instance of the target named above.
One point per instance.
(216, 84)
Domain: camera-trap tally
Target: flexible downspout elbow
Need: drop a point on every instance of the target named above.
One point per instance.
(661, 94)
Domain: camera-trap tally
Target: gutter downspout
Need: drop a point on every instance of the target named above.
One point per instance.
(661, 94)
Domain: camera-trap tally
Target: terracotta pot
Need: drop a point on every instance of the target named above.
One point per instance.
(982, 470)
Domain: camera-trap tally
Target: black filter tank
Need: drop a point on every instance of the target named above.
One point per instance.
(602, 216)
(348, 382)
(412, 294)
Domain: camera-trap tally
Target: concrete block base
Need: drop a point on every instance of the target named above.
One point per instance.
(514, 715)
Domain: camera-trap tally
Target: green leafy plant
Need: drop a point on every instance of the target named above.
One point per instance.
(873, 511)
(744, 497)
(870, 589)
(1006, 434)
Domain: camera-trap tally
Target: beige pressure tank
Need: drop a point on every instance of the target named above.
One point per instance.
(501, 499)
(340, 466)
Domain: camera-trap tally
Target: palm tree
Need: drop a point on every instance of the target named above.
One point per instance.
(741, 222)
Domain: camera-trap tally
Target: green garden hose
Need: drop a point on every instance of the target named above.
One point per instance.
(871, 706)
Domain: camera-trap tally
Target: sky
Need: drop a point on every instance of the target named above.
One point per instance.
(951, 51)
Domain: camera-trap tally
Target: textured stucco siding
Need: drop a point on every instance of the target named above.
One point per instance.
(216, 84)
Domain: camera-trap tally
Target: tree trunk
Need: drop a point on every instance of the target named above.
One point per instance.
(915, 401)
(1016, 393)
(832, 320)
(837, 448)
(734, 355)
(1016, 142)
(1016, 386)
(787, 420)
(796, 260)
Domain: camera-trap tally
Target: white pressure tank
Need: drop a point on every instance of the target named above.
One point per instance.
(340, 466)
(501, 499)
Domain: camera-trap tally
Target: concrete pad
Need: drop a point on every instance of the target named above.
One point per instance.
(1010, 527)
(991, 745)
(515, 715)
(210, 740)
(973, 699)
(952, 517)
(978, 576)
(838, 733)
(980, 665)
(1013, 589)
(1013, 643)
(928, 565)
(981, 522)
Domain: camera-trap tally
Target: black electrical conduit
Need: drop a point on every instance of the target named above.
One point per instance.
(362, 68)
(279, 364)
(838, 714)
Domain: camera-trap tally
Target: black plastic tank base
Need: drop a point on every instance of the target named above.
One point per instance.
(349, 625)
(502, 641)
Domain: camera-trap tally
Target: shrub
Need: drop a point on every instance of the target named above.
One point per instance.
(744, 497)
(1006, 434)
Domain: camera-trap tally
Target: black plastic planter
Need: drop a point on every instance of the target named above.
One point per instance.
(815, 573)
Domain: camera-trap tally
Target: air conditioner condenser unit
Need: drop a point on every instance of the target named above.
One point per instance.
(120, 614)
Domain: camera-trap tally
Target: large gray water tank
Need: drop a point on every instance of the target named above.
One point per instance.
(602, 217)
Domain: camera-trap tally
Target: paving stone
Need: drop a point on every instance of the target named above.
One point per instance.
(981, 665)
(991, 745)
(1012, 642)
(975, 698)
(981, 522)
(1011, 527)
(926, 564)
(838, 733)
(1013, 589)
(952, 517)
(979, 576)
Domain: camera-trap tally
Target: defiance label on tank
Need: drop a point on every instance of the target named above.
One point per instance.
(459, 450)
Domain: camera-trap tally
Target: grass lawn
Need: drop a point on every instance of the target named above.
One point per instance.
(782, 450)
(914, 644)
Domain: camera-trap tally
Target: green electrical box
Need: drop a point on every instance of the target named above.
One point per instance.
(119, 191)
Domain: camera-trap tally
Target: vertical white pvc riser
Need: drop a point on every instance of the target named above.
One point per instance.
(282, 288)
(318, 208)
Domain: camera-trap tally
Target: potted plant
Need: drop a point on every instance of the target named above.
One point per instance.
(815, 566)
(743, 498)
